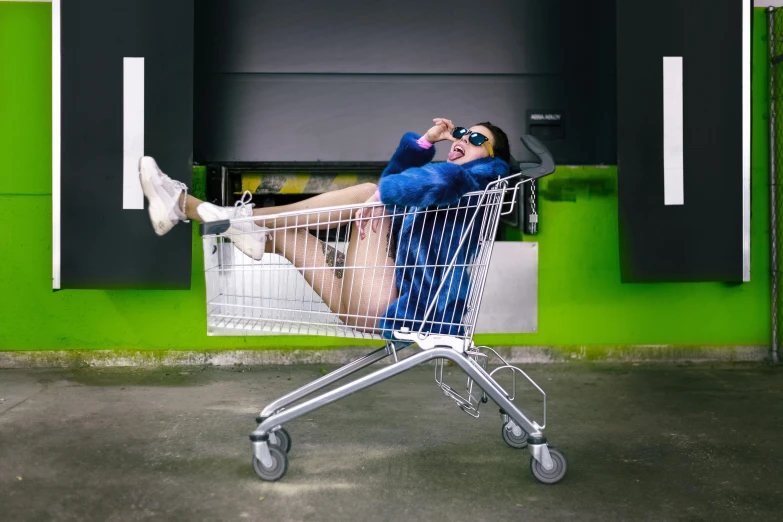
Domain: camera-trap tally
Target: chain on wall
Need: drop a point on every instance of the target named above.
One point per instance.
(775, 39)
(530, 209)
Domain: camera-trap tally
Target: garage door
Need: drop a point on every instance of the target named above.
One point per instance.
(342, 80)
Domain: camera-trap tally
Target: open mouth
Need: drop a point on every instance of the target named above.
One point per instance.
(457, 152)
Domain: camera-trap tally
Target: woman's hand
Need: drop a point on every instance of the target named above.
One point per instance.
(373, 214)
(440, 131)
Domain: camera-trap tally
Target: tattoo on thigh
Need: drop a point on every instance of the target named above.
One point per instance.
(391, 249)
(334, 258)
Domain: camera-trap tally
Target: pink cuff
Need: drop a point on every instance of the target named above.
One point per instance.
(423, 143)
(378, 194)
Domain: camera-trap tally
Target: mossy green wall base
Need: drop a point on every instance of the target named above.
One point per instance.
(581, 300)
(241, 358)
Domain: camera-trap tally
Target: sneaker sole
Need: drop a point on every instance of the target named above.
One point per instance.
(159, 214)
(250, 246)
(244, 241)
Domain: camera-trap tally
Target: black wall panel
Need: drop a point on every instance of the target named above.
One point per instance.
(700, 240)
(104, 246)
(342, 80)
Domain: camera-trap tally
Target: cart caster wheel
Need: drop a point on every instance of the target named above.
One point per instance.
(283, 439)
(512, 440)
(278, 468)
(555, 474)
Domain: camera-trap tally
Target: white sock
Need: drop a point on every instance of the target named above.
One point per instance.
(179, 208)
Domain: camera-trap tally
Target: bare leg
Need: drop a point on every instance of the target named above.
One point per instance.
(368, 292)
(321, 221)
(191, 204)
(347, 196)
(358, 292)
(361, 290)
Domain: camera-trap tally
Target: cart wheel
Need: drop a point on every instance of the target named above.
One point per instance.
(278, 468)
(555, 474)
(511, 439)
(283, 439)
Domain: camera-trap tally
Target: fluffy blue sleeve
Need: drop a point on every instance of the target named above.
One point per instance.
(432, 184)
(408, 154)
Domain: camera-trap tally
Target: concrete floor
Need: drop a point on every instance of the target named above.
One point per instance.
(645, 442)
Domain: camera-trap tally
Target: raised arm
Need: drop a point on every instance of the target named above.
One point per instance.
(440, 183)
(409, 164)
(410, 153)
(415, 151)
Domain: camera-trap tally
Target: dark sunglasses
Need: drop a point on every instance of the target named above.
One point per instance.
(475, 138)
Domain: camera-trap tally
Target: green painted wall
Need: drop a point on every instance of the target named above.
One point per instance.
(581, 300)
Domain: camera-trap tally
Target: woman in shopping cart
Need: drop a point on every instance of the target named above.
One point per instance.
(406, 229)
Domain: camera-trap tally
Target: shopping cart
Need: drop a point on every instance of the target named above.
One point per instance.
(355, 299)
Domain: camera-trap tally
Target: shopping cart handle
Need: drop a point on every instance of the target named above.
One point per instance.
(215, 228)
(535, 170)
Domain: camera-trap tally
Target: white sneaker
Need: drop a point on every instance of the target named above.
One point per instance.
(247, 236)
(164, 195)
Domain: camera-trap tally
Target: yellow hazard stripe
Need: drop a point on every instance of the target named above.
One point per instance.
(250, 182)
(295, 184)
(342, 181)
(298, 183)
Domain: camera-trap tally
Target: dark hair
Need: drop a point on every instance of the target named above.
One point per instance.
(501, 141)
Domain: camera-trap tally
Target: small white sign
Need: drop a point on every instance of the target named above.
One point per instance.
(673, 187)
(132, 131)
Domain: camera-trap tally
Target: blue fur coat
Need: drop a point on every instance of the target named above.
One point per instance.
(424, 240)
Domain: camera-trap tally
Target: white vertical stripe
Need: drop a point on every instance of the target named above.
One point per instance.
(746, 36)
(673, 191)
(132, 131)
(55, 144)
